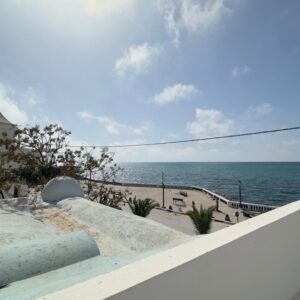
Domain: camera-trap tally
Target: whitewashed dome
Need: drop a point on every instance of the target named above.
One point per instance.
(60, 188)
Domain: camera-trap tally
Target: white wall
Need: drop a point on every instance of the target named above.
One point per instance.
(6, 132)
(257, 259)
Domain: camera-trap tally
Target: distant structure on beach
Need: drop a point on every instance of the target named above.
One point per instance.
(6, 128)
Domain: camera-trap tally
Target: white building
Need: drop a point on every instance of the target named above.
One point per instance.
(6, 128)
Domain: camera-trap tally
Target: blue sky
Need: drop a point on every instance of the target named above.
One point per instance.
(126, 71)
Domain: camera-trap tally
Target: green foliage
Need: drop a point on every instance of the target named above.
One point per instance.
(99, 171)
(100, 166)
(108, 196)
(37, 155)
(142, 208)
(6, 178)
(201, 218)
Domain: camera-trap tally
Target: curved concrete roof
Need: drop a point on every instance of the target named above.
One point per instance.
(29, 226)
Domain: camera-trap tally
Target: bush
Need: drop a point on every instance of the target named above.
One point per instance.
(201, 218)
(142, 208)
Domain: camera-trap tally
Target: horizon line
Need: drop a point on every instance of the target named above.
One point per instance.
(244, 161)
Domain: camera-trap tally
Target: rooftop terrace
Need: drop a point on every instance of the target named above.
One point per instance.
(77, 249)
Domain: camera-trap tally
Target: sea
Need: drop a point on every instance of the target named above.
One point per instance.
(270, 183)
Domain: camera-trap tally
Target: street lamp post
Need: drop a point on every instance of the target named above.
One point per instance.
(240, 192)
(163, 189)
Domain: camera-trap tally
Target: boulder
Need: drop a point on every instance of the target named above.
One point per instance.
(60, 188)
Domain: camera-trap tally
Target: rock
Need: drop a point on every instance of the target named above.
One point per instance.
(60, 188)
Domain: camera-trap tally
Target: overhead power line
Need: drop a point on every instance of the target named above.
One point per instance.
(192, 140)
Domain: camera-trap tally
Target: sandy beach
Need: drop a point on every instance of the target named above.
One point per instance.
(177, 219)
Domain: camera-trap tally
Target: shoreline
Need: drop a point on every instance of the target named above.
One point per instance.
(176, 217)
(247, 206)
(266, 183)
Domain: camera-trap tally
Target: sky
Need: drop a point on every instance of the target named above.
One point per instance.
(134, 71)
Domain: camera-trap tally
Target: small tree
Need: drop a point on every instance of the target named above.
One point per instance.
(90, 165)
(201, 218)
(142, 208)
(106, 195)
(6, 178)
(68, 163)
(100, 170)
(39, 152)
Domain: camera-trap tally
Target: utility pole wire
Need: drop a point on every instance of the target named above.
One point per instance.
(191, 140)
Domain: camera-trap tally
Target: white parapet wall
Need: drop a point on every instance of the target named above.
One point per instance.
(257, 259)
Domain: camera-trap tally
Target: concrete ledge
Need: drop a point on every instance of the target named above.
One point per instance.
(26, 259)
(256, 259)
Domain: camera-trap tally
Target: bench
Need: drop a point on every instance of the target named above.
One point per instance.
(179, 202)
(250, 214)
(183, 193)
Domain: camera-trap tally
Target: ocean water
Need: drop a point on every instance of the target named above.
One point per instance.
(273, 183)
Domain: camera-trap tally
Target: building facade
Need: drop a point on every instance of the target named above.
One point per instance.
(6, 129)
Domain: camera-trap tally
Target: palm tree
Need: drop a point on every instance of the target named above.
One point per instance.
(201, 218)
(142, 208)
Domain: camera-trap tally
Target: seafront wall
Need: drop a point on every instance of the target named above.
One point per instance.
(255, 207)
(251, 207)
(252, 260)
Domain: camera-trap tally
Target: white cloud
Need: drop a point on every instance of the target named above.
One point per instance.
(172, 136)
(174, 93)
(259, 110)
(202, 16)
(33, 97)
(191, 16)
(111, 125)
(102, 7)
(173, 27)
(76, 142)
(172, 153)
(291, 142)
(114, 127)
(85, 115)
(240, 70)
(210, 122)
(137, 58)
(23, 107)
(10, 108)
(246, 149)
(146, 126)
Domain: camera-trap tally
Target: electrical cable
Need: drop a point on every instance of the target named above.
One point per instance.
(191, 140)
